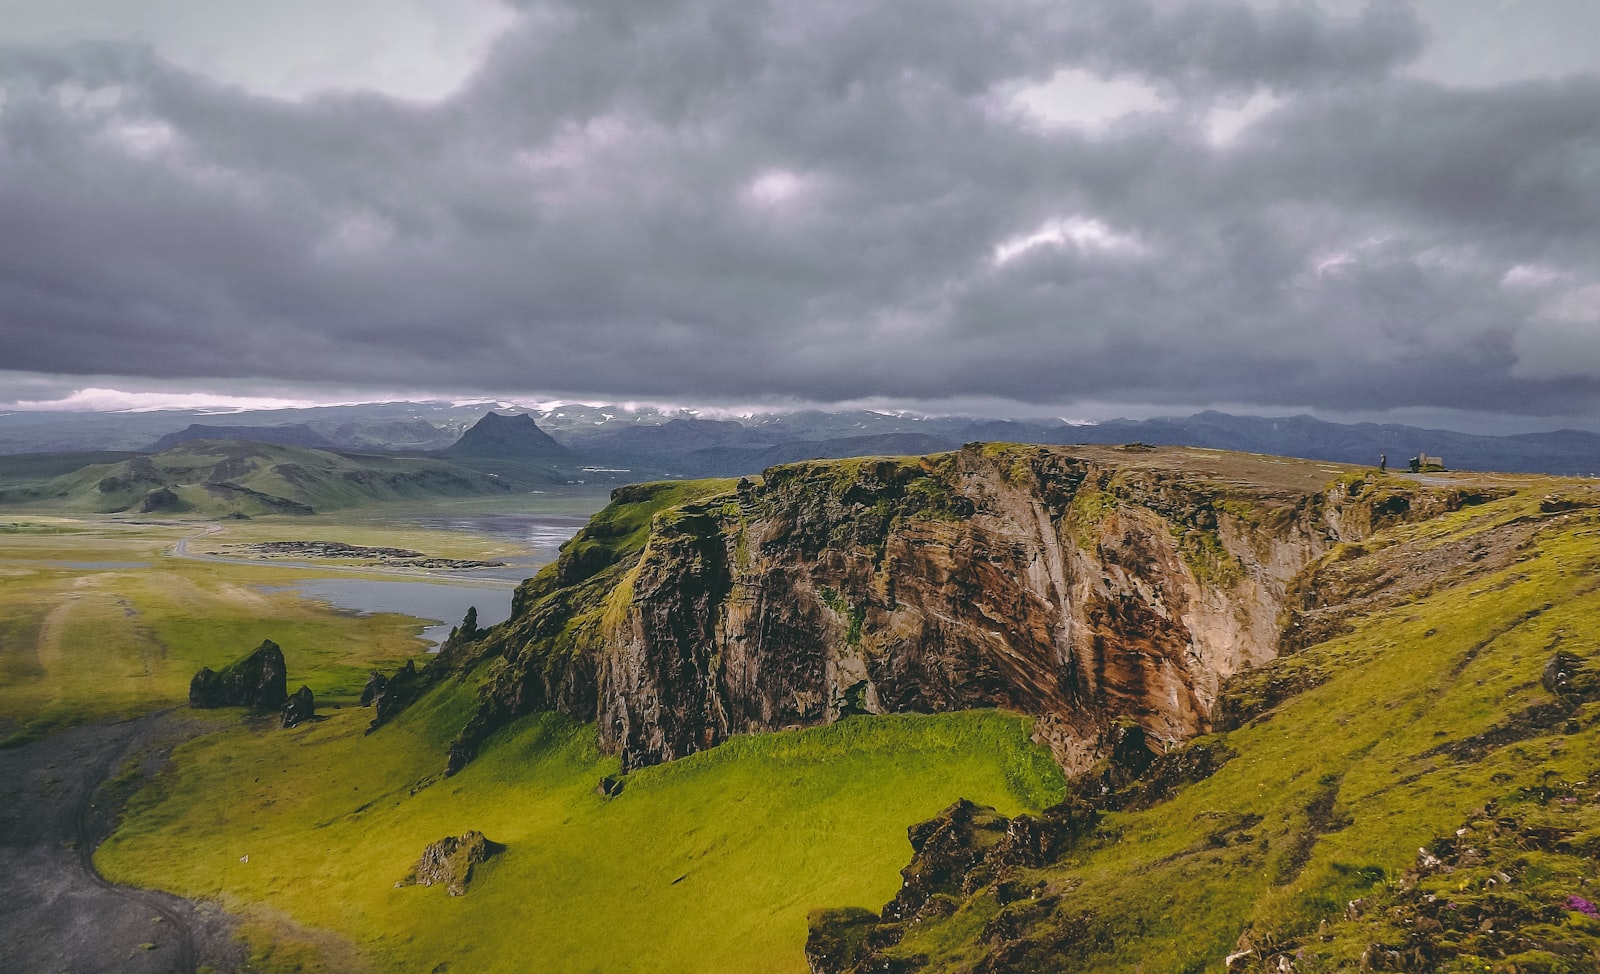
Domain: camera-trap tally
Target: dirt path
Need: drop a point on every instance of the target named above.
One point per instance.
(57, 913)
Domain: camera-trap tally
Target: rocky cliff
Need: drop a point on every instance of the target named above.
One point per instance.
(1083, 585)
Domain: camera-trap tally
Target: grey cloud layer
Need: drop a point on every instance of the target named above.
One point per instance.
(705, 199)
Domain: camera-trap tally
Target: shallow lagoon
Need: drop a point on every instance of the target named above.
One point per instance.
(445, 603)
(543, 534)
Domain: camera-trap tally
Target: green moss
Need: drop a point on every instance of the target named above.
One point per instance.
(854, 615)
(1089, 508)
(1206, 556)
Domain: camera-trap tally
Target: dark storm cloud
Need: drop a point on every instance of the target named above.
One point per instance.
(736, 200)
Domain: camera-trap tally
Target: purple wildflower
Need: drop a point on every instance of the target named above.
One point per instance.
(1582, 906)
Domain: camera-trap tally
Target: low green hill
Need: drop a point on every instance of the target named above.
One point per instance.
(225, 477)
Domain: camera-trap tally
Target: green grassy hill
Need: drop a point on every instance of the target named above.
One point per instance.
(1420, 792)
(1413, 785)
(218, 478)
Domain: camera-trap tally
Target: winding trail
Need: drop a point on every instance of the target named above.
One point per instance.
(112, 757)
(57, 912)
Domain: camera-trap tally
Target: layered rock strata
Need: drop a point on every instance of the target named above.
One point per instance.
(1086, 586)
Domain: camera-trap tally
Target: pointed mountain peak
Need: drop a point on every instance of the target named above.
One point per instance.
(510, 437)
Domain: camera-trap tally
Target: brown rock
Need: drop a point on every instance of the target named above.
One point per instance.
(450, 862)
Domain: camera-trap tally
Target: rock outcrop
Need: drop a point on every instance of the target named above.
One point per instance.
(299, 708)
(1085, 586)
(966, 848)
(390, 695)
(376, 684)
(257, 680)
(450, 862)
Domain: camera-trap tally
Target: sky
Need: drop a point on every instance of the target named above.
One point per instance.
(1077, 207)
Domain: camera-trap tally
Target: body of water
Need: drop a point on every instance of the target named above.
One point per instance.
(543, 534)
(447, 602)
(444, 603)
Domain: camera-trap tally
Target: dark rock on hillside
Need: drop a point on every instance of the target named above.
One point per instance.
(609, 787)
(834, 940)
(376, 682)
(1571, 678)
(462, 636)
(497, 437)
(299, 708)
(161, 500)
(393, 694)
(1112, 789)
(257, 680)
(450, 861)
(965, 849)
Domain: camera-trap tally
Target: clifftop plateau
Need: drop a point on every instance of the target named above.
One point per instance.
(1091, 587)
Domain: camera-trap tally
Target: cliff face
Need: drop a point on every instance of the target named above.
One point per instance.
(1083, 585)
(1068, 588)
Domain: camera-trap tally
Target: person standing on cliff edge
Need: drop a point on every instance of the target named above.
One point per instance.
(1383, 462)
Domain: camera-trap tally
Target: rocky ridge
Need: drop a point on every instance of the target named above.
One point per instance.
(1086, 586)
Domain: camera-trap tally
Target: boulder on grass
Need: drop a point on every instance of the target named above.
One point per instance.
(299, 708)
(258, 680)
(449, 862)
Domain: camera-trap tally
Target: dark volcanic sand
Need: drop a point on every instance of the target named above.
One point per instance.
(56, 913)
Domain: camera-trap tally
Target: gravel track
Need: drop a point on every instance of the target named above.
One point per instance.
(57, 913)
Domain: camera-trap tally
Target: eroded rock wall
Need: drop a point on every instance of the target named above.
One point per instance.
(1081, 585)
(1071, 588)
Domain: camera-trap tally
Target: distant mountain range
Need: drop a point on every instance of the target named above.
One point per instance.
(222, 478)
(721, 448)
(289, 434)
(589, 442)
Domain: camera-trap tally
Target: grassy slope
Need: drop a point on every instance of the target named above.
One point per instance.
(707, 864)
(1331, 795)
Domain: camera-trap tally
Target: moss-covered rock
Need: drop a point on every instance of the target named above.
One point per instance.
(450, 862)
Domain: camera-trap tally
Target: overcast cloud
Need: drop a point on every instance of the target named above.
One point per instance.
(1347, 207)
